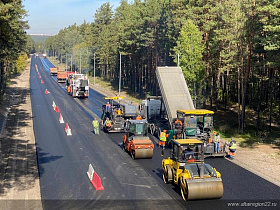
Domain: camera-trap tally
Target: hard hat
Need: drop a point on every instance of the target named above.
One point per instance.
(164, 130)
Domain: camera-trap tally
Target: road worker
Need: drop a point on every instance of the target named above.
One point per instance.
(217, 143)
(119, 112)
(108, 107)
(162, 139)
(108, 122)
(178, 124)
(232, 148)
(95, 125)
(139, 117)
(188, 154)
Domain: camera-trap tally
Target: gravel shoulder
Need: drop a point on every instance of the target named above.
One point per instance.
(19, 178)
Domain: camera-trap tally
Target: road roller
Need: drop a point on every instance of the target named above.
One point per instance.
(136, 140)
(186, 168)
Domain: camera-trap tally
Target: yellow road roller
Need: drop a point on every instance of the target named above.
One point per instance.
(136, 140)
(186, 168)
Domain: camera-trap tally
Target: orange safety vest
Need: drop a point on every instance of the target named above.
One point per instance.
(138, 117)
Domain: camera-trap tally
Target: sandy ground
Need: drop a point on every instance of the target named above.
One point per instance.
(263, 160)
(19, 178)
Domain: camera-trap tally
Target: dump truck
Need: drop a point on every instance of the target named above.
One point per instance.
(61, 76)
(162, 111)
(117, 114)
(77, 85)
(53, 70)
(186, 168)
(136, 141)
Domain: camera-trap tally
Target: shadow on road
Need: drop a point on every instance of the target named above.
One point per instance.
(18, 159)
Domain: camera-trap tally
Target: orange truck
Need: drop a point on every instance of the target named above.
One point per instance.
(53, 71)
(61, 76)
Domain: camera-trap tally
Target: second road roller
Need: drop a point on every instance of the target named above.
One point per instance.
(186, 168)
(136, 140)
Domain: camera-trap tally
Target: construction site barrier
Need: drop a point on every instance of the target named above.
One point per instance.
(94, 178)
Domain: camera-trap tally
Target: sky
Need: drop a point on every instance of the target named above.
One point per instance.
(49, 16)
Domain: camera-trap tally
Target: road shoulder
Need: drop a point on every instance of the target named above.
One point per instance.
(19, 177)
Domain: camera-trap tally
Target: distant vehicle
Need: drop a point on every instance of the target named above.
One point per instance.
(44, 55)
(53, 70)
(77, 85)
(61, 76)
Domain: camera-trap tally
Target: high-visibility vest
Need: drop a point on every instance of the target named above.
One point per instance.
(108, 123)
(138, 118)
(162, 136)
(233, 146)
(95, 123)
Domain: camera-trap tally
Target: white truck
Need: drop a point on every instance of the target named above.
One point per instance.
(77, 85)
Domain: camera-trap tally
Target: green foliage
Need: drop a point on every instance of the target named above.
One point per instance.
(13, 41)
(21, 63)
(190, 48)
(229, 50)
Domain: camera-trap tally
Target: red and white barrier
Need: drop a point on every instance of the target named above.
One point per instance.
(94, 178)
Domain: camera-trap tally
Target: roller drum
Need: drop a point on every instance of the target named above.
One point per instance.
(205, 189)
(144, 153)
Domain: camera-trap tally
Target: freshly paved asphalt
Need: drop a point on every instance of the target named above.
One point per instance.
(63, 161)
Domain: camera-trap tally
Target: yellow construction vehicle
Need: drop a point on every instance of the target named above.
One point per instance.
(198, 123)
(186, 169)
(117, 112)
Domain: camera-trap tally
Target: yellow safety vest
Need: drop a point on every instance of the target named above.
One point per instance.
(95, 123)
(162, 136)
(233, 146)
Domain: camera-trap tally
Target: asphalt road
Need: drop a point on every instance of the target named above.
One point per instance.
(63, 161)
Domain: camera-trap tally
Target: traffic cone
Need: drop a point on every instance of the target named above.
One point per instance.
(53, 105)
(39, 76)
(66, 127)
(68, 130)
(42, 82)
(61, 118)
(56, 109)
(47, 92)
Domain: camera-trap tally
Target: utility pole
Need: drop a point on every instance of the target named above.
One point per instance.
(120, 74)
(80, 63)
(71, 62)
(94, 68)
